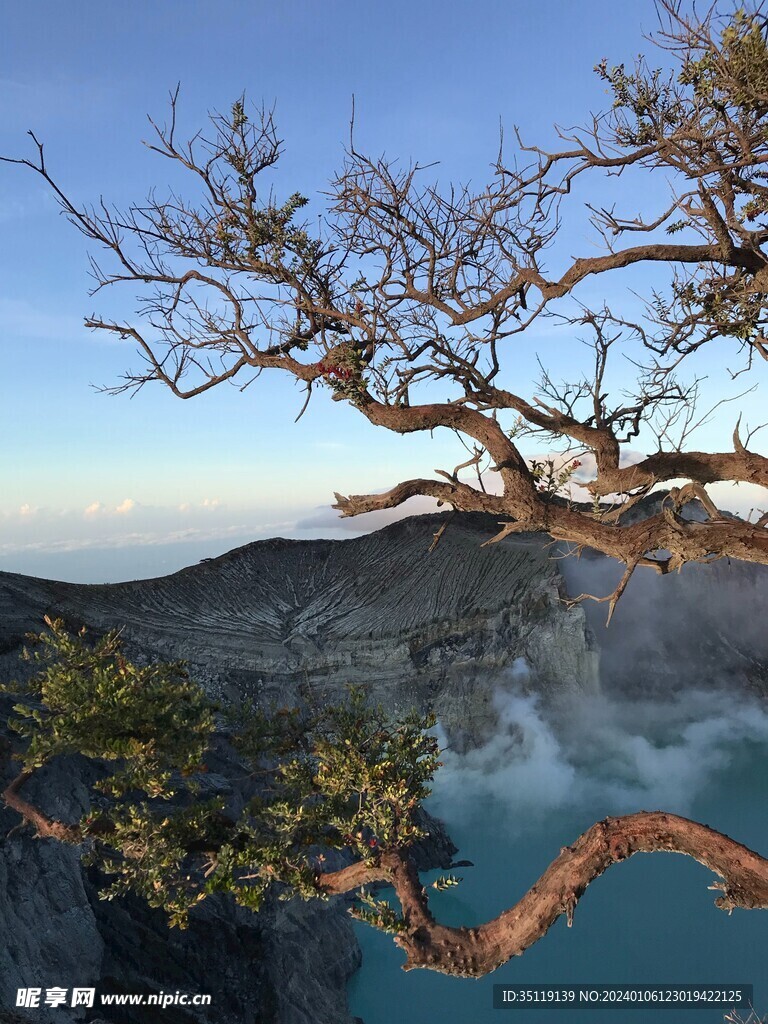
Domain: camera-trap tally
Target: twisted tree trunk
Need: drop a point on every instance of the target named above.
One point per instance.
(474, 952)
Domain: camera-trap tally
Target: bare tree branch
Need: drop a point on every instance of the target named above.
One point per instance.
(474, 952)
(404, 288)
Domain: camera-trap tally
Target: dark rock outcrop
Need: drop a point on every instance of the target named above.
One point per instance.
(289, 963)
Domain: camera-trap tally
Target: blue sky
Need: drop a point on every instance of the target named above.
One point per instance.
(98, 488)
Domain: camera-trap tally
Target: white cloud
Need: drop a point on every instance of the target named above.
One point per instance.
(607, 753)
(739, 498)
(128, 523)
(149, 538)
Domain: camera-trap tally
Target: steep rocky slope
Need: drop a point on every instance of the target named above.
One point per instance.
(285, 620)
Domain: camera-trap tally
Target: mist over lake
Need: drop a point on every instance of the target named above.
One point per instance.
(544, 778)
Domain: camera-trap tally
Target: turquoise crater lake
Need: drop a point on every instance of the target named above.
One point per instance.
(512, 806)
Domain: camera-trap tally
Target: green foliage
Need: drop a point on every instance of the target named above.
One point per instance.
(722, 82)
(551, 479)
(90, 700)
(342, 369)
(648, 100)
(239, 116)
(377, 913)
(372, 773)
(735, 75)
(148, 853)
(342, 777)
(733, 308)
(446, 882)
(242, 228)
(268, 234)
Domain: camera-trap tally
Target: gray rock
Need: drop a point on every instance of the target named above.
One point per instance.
(287, 621)
(50, 937)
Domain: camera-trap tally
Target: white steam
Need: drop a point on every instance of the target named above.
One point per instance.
(613, 755)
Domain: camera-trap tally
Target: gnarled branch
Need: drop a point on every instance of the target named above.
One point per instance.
(474, 952)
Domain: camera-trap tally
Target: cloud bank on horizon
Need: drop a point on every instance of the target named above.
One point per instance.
(46, 541)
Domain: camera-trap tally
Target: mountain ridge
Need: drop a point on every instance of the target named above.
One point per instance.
(276, 618)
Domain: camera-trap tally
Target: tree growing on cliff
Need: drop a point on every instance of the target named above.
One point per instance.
(406, 290)
(344, 777)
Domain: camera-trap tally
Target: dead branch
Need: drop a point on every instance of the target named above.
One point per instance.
(44, 826)
(407, 285)
(474, 952)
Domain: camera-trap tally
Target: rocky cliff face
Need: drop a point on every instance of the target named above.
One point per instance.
(287, 620)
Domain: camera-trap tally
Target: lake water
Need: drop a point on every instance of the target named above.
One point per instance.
(510, 808)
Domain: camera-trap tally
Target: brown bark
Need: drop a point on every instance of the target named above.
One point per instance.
(474, 952)
(44, 826)
(362, 872)
(682, 540)
(703, 467)
(655, 252)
